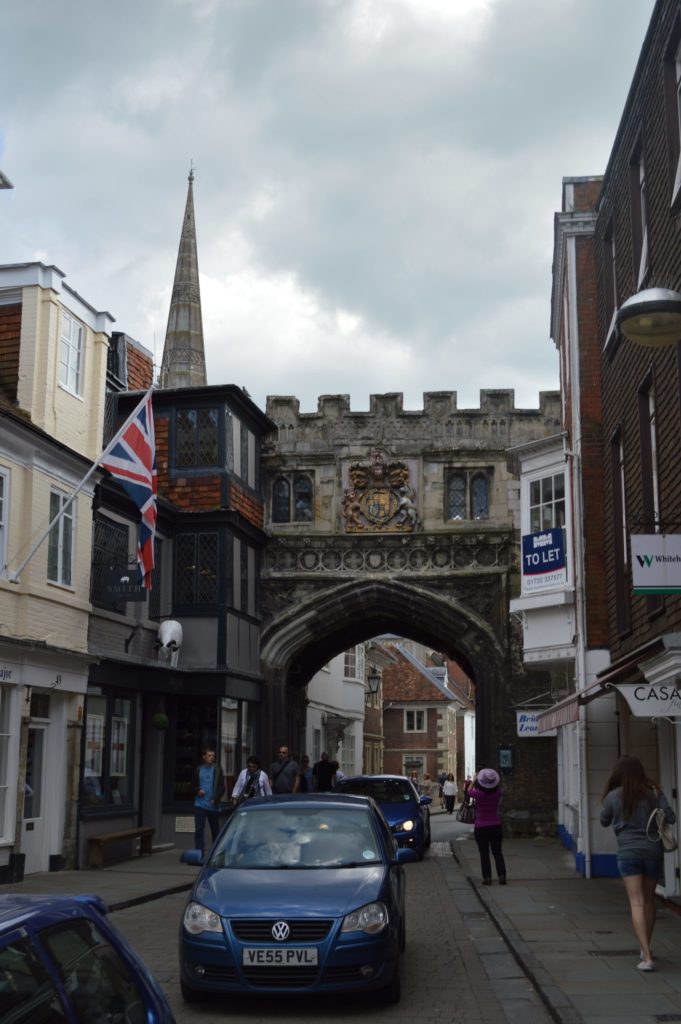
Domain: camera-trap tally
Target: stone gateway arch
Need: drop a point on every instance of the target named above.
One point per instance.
(403, 522)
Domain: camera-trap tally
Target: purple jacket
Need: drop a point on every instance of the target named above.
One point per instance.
(487, 804)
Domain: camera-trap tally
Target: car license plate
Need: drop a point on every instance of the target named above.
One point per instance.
(282, 957)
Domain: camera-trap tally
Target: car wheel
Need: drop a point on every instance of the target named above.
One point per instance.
(189, 995)
(428, 837)
(392, 992)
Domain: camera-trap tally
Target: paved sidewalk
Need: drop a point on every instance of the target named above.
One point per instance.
(573, 937)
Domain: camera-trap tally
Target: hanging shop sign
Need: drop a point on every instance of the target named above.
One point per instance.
(544, 561)
(526, 725)
(648, 700)
(120, 584)
(656, 563)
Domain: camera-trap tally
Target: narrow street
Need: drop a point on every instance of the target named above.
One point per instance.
(456, 967)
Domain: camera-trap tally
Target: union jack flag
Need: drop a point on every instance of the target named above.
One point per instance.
(131, 460)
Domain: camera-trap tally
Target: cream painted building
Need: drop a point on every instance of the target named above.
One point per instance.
(53, 359)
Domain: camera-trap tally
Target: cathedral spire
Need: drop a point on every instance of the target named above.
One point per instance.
(184, 363)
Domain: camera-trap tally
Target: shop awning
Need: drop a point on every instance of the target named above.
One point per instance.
(567, 710)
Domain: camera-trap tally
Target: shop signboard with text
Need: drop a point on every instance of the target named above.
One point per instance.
(544, 566)
(653, 700)
(656, 563)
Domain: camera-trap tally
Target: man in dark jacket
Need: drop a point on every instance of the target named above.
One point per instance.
(284, 773)
(209, 785)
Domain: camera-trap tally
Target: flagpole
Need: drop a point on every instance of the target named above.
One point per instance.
(13, 577)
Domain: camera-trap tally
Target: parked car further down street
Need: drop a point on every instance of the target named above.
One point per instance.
(403, 807)
(62, 962)
(301, 893)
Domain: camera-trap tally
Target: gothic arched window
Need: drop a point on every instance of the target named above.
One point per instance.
(281, 501)
(480, 497)
(302, 499)
(456, 496)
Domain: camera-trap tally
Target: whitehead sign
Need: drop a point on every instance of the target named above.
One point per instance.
(543, 561)
(656, 563)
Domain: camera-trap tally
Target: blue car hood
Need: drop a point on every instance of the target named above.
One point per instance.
(395, 813)
(317, 892)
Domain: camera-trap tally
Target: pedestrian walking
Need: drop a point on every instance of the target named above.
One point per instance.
(485, 789)
(449, 792)
(441, 779)
(629, 798)
(284, 773)
(322, 774)
(306, 778)
(338, 774)
(252, 782)
(209, 785)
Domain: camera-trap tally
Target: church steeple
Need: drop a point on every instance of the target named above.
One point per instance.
(184, 363)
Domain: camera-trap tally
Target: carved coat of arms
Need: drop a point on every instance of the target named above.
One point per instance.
(379, 496)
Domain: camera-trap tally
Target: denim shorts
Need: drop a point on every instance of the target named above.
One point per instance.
(633, 862)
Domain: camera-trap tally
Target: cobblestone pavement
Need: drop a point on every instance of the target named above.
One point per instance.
(456, 970)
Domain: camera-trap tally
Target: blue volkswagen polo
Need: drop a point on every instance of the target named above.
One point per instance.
(302, 893)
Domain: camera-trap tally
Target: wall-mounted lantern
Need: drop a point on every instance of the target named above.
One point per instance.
(373, 684)
(651, 318)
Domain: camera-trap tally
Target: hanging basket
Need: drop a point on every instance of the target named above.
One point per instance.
(160, 720)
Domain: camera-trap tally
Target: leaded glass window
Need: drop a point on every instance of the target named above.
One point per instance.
(480, 497)
(456, 496)
(196, 438)
(109, 551)
(196, 568)
(281, 501)
(302, 491)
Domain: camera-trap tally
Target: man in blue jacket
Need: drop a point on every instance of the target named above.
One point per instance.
(209, 785)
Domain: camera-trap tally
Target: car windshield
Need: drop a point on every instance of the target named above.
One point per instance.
(291, 836)
(383, 791)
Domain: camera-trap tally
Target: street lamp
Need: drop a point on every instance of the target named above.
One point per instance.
(651, 318)
(373, 683)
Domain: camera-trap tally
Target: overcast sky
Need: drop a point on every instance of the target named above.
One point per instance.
(375, 180)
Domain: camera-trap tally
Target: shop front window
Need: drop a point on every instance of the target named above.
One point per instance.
(107, 757)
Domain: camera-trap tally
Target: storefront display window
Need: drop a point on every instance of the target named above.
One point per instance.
(107, 762)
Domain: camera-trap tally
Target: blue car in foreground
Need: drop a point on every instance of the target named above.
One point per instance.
(301, 893)
(403, 807)
(62, 962)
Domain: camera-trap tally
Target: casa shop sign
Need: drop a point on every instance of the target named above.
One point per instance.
(653, 700)
(656, 563)
(544, 561)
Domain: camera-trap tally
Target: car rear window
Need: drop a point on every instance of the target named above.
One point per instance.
(95, 976)
(383, 791)
(26, 990)
(288, 836)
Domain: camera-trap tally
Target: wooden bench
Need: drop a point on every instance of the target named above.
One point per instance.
(96, 844)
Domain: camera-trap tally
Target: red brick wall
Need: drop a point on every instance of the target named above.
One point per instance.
(626, 365)
(10, 330)
(140, 369)
(245, 502)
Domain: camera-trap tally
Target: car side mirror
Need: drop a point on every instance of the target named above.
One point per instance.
(405, 855)
(194, 857)
(426, 799)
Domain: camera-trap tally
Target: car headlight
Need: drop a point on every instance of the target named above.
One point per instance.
(199, 919)
(407, 826)
(371, 919)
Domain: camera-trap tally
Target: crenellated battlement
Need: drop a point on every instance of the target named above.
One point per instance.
(497, 422)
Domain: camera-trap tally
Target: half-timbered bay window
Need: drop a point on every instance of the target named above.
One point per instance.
(292, 499)
(468, 494)
(196, 568)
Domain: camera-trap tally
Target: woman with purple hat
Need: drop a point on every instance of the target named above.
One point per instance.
(488, 833)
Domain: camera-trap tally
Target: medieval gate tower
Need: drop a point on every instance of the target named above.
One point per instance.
(404, 522)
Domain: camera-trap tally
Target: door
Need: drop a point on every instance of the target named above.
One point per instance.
(34, 825)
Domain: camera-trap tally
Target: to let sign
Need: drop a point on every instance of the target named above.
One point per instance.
(544, 560)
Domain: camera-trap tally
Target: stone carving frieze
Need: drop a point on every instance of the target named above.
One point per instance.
(379, 496)
(339, 556)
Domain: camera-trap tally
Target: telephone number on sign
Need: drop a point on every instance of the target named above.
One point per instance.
(281, 957)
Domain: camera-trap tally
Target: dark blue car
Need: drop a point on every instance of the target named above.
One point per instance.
(62, 961)
(405, 810)
(302, 893)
